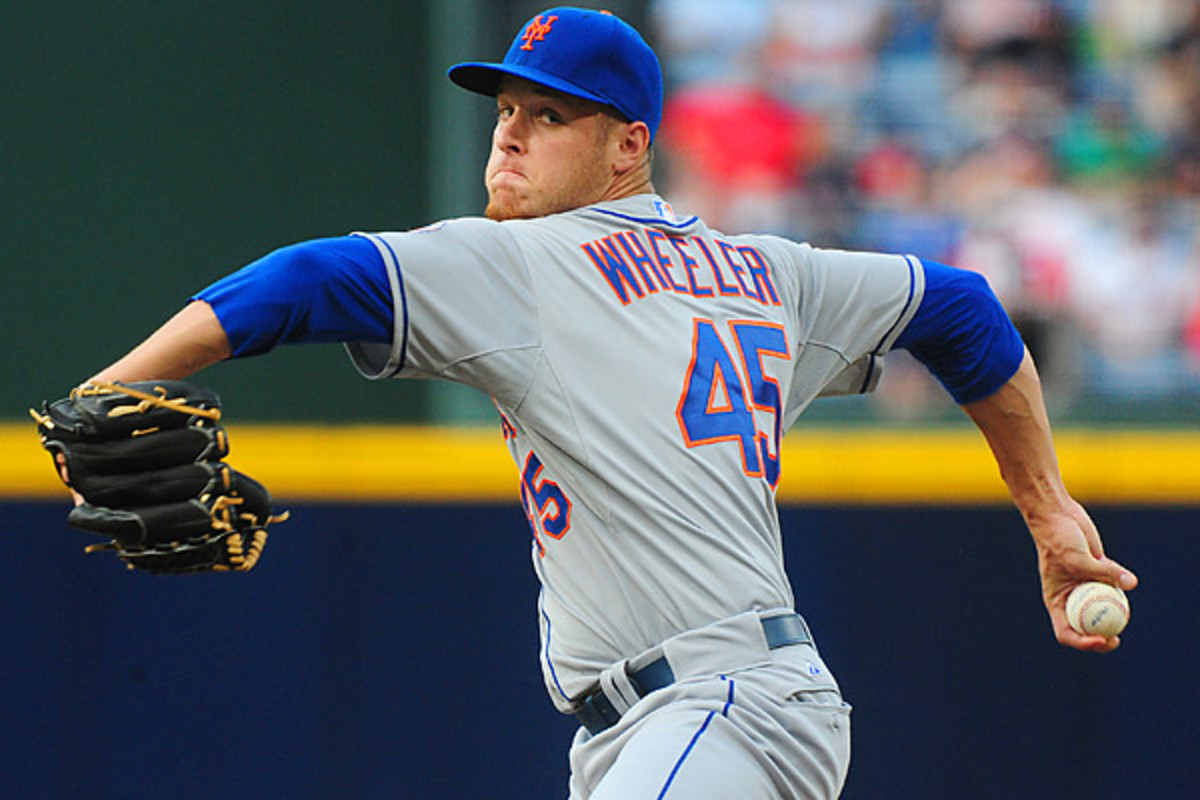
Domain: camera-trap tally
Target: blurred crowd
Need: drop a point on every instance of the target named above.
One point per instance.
(1053, 145)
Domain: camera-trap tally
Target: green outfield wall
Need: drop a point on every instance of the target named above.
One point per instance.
(149, 148)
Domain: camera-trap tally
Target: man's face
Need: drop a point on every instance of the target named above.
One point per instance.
(550, 152)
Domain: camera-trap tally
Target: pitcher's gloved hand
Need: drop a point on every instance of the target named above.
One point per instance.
(146, 458)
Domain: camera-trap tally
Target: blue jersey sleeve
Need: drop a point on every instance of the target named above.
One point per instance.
(325, 290)
(962, 334)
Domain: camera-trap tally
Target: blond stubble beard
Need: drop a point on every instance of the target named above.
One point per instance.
(586, 185)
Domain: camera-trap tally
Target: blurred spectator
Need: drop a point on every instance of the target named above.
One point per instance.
(737, 155)
(1125, 30)
(1018, 63)
(1007, 91)
(1053, 145)
(914, 79)
(974, 26)
(1135, 287)
(1166, 88)
(821, 55)
(1106, 143)
(711, 40)
(900, 212)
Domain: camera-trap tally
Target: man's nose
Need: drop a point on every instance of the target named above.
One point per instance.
(510, 132)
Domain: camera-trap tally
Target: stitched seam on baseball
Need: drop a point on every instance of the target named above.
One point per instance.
(1081, 614)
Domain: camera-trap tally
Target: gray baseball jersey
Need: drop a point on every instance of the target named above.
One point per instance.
(645, 368)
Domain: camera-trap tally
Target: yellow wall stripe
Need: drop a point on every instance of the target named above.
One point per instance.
(853, 465)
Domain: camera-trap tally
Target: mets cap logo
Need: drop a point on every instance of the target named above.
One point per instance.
(536, 31)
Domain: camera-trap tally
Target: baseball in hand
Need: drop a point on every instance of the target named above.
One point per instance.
(1097, 609)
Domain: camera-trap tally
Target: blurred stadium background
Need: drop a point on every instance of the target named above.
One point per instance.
(149, 148)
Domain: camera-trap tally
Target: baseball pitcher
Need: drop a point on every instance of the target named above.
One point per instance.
(645, 368)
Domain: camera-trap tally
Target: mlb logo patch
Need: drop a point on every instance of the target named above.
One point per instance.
(664, 210)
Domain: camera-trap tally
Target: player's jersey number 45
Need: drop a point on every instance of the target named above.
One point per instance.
(721, 392)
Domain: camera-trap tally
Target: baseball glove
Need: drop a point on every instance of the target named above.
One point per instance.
(146, 459)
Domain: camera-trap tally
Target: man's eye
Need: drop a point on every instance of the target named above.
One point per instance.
(504, 112)
(549, 115)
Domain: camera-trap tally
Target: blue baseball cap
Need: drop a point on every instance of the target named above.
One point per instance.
(588, 54)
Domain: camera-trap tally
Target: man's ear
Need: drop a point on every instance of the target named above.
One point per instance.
(632, 144)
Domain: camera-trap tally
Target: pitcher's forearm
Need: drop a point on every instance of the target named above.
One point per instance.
(187, 343)
(1017, 428)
